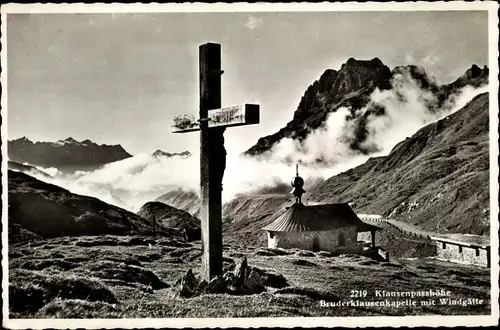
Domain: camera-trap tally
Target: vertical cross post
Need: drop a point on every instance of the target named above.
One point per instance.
(212, 161)
(212, 123)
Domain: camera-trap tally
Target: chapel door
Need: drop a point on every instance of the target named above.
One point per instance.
(316, 246)
(341, 239)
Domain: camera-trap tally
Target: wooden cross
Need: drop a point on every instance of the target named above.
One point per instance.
(212, 124)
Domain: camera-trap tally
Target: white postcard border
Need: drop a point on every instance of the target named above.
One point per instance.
(364, 321)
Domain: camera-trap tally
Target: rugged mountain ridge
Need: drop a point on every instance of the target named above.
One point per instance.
(437, 179)
(351, 87)
(28, 169)
(62, 154)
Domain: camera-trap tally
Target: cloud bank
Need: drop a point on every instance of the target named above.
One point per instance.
(132, 182)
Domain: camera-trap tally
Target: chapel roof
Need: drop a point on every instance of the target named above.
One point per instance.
(324, 217)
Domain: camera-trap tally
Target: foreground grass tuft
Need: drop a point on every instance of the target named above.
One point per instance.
(77, 308)
(129, 273)
(40, 288)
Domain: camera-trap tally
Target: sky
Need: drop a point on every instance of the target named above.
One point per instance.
(121, 78)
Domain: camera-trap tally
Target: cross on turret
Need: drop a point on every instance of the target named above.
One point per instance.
(298, 184)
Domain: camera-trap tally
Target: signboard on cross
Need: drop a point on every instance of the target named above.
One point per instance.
(238, 115)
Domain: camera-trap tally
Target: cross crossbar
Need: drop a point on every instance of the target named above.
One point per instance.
(238, 115)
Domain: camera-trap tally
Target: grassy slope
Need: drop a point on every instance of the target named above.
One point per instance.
(437, 179)
(27, 169)
(182, 199)
(168, 216)
(131, 276)
(48, 210)
(243, 217)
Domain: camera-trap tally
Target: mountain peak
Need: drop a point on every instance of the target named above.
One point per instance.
(161, 153)
(87, 142)
(474, 76)
(475, 71)
(347, 87)
(351, 87)
(353, 63)
(22, 139)
(71, 140)
(418, 74)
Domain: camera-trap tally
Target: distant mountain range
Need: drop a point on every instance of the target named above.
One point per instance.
(68, 153)
(351, 87)
(47, 210)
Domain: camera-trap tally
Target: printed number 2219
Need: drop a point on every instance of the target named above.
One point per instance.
(358, 293)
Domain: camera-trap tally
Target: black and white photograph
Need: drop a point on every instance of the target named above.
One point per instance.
(249, 165)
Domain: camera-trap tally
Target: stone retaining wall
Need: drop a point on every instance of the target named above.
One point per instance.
(459, 252)
(455, 252)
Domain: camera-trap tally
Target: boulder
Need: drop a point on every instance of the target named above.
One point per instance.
(271, 278)
(230, 278)
(202, 286)
(254, 283)
(216, 285)
(264, 252)
(241, 271)
(326, 254)
(228, 268)
(303, 253)
(188, 285)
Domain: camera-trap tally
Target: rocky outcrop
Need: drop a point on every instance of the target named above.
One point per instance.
(64, 154)
(351, 87)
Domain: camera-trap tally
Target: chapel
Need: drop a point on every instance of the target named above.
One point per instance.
(324, 227)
